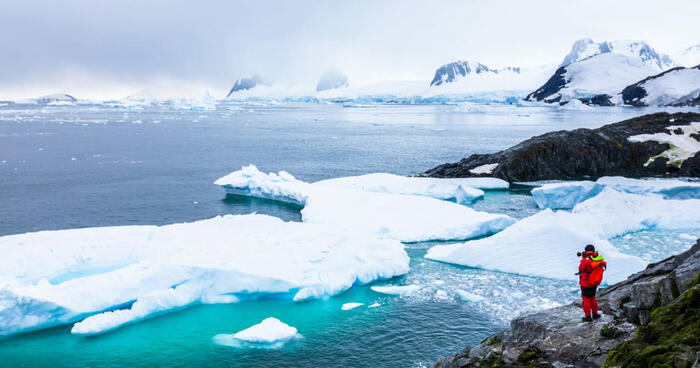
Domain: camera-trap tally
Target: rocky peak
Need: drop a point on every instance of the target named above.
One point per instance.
(451, 72)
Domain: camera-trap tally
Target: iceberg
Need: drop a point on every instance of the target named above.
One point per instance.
(460, 190)
(408, 218)
(565, 195)
(553, 238)
(396, 290)
(106, 277)
(271, 333)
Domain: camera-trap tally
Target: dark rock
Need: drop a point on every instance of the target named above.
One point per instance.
(553, 85)
(449, 73)
(583, 154)
(557, 337)
(599, 100)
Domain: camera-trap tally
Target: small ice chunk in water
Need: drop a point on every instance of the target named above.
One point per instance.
(349, 306)
(396, 290)
(270, 333)
(470, 297)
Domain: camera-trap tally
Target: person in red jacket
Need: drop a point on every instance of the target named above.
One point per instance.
(588, 290)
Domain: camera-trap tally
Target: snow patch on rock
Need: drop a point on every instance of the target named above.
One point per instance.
(681, 145)
(483, 169)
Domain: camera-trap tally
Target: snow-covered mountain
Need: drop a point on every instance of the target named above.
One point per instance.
(56, 98)
(245, 83)
(676, 87)
(586, 48)
(454, 71)
(332, 79)
(601, 77)
(688, 57)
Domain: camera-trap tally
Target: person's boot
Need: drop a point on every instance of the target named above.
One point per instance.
(596, 315)
(587, 319)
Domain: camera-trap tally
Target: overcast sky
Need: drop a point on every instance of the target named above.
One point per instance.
(103, 49)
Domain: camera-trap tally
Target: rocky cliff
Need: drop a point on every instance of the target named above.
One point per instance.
(652, 317)
(578, 154)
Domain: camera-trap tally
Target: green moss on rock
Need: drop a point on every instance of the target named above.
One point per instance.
(669, 340)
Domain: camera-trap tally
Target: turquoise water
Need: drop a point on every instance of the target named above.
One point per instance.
(68, 167)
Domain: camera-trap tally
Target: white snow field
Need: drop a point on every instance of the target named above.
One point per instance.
(672, 87)
(460, 190)
(56, 277)
(605, 73)
(545, 244)
(408, 218)
(271, 333)
(566, 195)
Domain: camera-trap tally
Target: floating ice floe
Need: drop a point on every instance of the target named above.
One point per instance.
(271, 333)
(667, 188)
(106, 277)
(349, 306)
(566, 195)
(469, 297)
(408, 218)
(396, 290)
(462, 191)
(546, 243)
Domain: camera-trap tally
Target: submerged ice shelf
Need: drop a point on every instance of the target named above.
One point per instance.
(154, 269)
(393, 209)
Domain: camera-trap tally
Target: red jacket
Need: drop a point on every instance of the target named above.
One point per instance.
(584, 269)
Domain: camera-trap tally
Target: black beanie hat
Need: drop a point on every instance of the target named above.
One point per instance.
(590, 248)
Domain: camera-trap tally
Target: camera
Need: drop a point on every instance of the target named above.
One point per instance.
(578, 254)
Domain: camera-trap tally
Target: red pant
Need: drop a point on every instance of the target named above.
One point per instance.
(590, 305)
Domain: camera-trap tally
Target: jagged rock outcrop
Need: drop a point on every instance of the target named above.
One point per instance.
(56, 97)
(557, 337)
(451, 72)
(245, 83)
(588, 153)
(675, 87)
